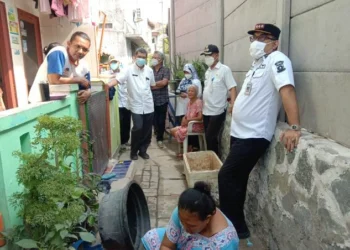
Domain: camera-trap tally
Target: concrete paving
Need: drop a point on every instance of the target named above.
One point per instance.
(162, 181)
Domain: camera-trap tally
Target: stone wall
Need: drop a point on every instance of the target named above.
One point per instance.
(300, 200)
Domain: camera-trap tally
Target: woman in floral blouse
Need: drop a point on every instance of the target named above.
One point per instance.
(196, 224)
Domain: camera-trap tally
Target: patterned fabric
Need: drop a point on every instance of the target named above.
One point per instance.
(187, 82)
(227, 239)
(161, 96)
(192, 112)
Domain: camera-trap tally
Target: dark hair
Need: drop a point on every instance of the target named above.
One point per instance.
(198, 200)
(141, 50)
(49, 47)
(80, 34)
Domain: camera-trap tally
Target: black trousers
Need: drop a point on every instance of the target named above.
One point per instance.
(141, 133)
(159, 120)
(125, 121)
(213, 126)
(233, 179)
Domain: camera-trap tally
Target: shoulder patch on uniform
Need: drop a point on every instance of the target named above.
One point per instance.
(280, 66)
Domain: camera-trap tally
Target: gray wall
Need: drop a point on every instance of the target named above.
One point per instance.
(197, 23)
(317, 43)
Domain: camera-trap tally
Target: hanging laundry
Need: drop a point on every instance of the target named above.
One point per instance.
(45, 6)
(94, 13)
(75, 14)
(57, 7)
(52, 15)
(66, 2)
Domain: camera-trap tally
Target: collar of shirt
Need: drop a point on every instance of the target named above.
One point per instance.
(217, 66)
(154, 68)
(139, 69)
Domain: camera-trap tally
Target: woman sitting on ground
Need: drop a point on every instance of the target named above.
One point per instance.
(195, 224)
(193, 113)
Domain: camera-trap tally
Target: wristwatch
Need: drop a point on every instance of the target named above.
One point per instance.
(295, 127)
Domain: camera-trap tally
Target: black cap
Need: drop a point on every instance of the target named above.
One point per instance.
(266, 28)
(210, 49)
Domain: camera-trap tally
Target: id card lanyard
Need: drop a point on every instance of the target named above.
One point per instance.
(248, 89)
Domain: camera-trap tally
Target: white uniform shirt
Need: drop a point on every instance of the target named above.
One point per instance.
(258, 103)
(69, 71)
(138, 83)
(218, 81)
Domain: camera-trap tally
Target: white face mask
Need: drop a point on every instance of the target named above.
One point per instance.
(154, 62)
(257, 49)
(209, 60)
(188, 76)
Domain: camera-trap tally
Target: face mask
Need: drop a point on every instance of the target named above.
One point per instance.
(114, 66)
(140, 62)
(154, 62)
(257, 49)
(188, 76)
(209, 60)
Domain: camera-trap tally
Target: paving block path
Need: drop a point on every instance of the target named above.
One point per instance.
(162, 182)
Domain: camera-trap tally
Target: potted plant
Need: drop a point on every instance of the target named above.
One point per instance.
(58, 204)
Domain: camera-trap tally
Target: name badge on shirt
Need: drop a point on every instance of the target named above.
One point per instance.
(248, 89)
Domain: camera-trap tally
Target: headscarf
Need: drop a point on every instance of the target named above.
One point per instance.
(186, 82)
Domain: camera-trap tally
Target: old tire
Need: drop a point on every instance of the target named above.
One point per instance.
(123, 218)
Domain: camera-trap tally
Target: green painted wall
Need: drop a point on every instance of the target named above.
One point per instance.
(16, 132)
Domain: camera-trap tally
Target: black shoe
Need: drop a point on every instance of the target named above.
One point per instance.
(244, 235)
(134, 157)
(144, 155)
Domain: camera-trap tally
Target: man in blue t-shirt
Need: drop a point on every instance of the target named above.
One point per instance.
(64, 65)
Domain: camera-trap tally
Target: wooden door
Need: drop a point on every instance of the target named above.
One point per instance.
(31, 44)
(7, 78)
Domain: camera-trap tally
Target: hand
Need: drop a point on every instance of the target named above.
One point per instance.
(230, 108)
(290, 139)
(83, 96)
(183, 95)
(84, 82)
(184, 122)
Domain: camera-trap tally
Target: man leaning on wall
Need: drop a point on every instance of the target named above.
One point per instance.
(65, 65)
(268, 83)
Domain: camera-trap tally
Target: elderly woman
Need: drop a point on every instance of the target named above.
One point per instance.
(193, 113)
(191, 78)
(195, 224)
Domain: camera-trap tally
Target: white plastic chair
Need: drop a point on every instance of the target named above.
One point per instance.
(201, 138)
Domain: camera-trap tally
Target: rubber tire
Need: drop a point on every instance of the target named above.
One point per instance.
(123, 218)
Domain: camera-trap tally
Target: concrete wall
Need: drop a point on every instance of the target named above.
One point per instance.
(300, 200)
(196, 25)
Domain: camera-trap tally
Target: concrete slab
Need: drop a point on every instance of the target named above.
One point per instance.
(171, 187)
(166, 206)
(163, 222)
(172, 172)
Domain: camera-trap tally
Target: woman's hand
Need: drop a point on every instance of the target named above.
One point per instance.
(184, 122)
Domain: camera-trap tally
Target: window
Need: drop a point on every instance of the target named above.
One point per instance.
(107, 25)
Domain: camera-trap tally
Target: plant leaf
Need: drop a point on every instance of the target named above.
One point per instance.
(49, 236)
(87, 237)
(71, 248)
(27, 243)
(64, 234)
(77, 193)
(72, 236)
(82, 218)
(91, 220)
(59, 227)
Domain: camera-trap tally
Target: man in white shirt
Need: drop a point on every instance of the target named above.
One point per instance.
(65, 65)
(218, 83)
(139, 78)
(268, 83)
